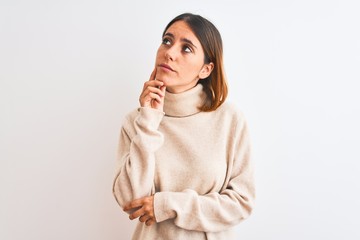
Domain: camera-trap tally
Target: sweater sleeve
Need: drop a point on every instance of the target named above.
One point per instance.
(216, 211)
(139, 139)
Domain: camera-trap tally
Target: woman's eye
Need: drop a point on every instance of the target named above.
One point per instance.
(166, 41)
(187, 49)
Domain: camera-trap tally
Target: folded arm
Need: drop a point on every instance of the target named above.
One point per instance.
(139, 140)
(216, 211)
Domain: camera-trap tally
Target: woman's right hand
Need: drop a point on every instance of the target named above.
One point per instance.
(153, 93)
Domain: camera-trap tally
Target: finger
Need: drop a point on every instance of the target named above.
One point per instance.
(133, 204)
(163, 90)
(153, 74)
(150, 221)
(137, 213)
(144, 93)
(155, 90)
(159, 101)
(148, 98)
(153, 83)
(144, 218)
(154, 96)
(145, 101)
(151, 93)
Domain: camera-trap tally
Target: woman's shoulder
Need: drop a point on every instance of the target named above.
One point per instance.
(231, 109)
(233, 116)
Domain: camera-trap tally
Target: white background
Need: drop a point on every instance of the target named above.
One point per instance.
(70, 71)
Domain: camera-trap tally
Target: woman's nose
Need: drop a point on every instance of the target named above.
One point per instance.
(170, 54)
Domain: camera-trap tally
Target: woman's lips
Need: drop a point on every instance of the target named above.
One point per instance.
(167, 67)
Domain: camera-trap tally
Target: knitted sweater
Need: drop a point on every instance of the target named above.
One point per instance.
(197, 165)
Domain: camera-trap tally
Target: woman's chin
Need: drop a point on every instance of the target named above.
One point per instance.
(163, 79)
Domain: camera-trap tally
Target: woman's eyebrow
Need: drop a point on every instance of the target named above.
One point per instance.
(188, 41)
(169, 34)
(182, 39)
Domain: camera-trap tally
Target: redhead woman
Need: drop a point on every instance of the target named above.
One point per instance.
(184, 166)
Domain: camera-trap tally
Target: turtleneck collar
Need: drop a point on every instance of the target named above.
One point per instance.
(184, 104)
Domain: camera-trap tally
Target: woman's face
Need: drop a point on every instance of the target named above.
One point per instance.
(180, 59)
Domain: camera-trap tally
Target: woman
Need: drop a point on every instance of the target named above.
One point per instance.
(184, 155)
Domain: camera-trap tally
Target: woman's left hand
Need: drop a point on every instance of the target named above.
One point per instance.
(142, 208)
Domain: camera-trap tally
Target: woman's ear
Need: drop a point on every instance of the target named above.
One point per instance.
(206, 70)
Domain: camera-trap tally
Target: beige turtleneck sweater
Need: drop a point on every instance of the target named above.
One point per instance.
(196, 163)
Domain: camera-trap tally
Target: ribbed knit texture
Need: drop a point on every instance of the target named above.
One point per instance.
(196, 163)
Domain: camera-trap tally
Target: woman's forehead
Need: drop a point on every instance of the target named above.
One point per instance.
(181, 29)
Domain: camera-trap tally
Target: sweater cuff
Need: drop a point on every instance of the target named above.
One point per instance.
(149, 117)
(161, 208)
